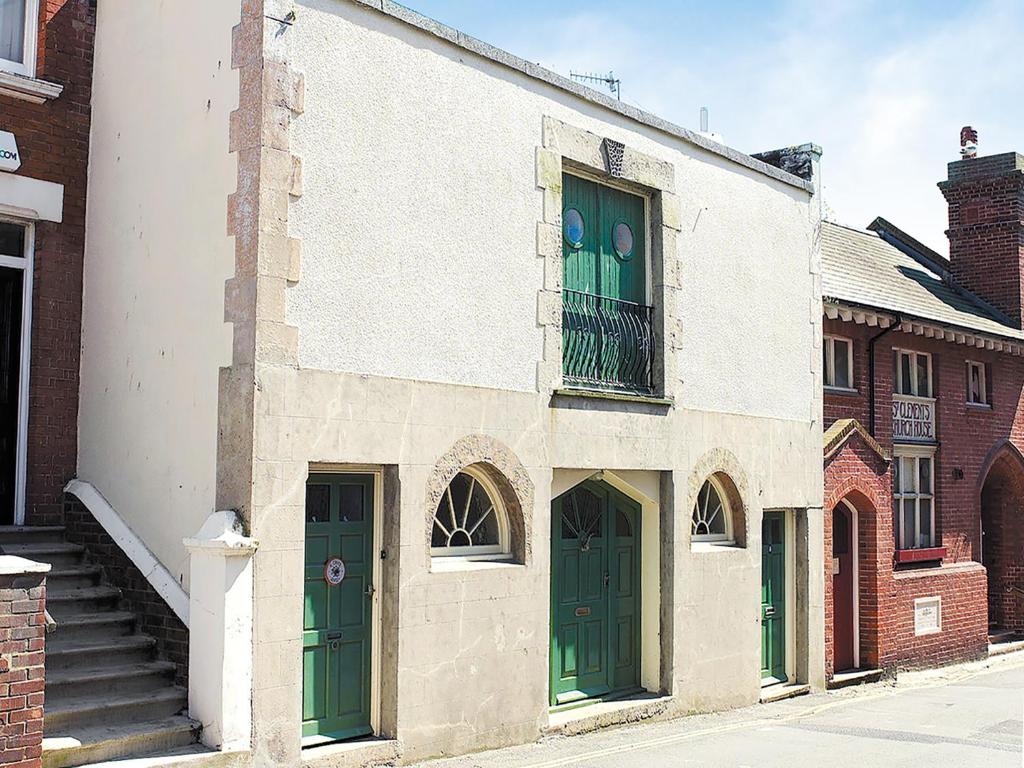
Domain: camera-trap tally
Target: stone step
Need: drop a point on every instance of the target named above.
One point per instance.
(97, 654)
(65, 749)
(68, 684)
(71, 602)
(74, 715)
(73, 577)
(56, 553)
(89, 626)
(26, 534)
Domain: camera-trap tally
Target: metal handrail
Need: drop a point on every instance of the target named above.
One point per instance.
(606, 342)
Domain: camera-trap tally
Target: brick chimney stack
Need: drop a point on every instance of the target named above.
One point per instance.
(986, 225)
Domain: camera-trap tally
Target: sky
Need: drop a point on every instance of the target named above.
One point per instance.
(882, 87)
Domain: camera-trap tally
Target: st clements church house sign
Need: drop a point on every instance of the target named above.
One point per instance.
(913, 419)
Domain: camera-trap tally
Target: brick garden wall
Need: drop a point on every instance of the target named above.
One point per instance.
(155, 616)
(22, 655)
(970, 441)
(53, 139)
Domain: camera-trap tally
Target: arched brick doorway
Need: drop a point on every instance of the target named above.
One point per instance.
(1002, 533)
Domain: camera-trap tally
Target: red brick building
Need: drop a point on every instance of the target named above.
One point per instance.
(45, 93)
(924, 473)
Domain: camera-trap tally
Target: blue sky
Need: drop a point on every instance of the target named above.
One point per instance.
(883, 87)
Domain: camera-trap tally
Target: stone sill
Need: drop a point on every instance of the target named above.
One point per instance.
(352, 754)
(841, 391)
(623, 397)
(929, 555)
(28, 88)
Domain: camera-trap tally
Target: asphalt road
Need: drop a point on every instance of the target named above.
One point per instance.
(964, 717)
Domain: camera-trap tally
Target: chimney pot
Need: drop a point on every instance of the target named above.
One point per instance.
(968, 142)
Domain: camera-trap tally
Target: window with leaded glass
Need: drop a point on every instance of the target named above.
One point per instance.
(914, 499)
(711, 519)
(470, 519)
(977, 383)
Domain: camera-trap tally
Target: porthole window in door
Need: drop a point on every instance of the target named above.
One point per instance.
(711, 515)
(573, 227)
(470, 519)
(622, 240)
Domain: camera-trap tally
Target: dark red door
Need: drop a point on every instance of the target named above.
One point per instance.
(842, 587)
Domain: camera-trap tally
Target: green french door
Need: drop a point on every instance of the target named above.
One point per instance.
(607, 321)
(595, 594)
(773, 597)
(337, 626)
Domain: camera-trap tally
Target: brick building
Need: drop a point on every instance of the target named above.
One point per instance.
(45, 95)
(923, 376)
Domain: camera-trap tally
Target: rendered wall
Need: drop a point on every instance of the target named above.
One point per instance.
(418, 225)
(413, 325)
(157, 256)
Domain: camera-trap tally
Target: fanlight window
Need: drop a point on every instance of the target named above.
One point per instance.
(711, 515)
(470, 518)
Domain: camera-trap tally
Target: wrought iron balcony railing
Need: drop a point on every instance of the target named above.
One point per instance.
(607, 343)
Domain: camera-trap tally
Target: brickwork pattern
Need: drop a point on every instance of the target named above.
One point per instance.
(969, 437)
(986, 229)
(53, 139)
(858, 475)
(155, 617)
(22, 675)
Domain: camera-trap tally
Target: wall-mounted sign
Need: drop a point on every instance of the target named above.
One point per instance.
(10, 159)
(927, 615)
(913, 419)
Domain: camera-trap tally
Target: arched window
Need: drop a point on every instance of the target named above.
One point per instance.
(470, 519)
(712, 518)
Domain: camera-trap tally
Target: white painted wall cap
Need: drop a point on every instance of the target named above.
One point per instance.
(222, 531)
(10, 565)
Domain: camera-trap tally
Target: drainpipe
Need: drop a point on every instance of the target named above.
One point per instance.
(896, 323)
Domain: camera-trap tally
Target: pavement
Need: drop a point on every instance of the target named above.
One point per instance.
(964, 716)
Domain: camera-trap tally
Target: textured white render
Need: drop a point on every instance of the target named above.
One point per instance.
(157, 255)
(418, 225)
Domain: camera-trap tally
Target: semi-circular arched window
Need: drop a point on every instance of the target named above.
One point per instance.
(470, 519)
(712, 518)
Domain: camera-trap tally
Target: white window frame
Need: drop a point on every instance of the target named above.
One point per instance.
(26, 264)
(500, 551)
(714, 538)
(898, 383)
(31, 31)
(901, 452)
(829, 373)
(971, 366)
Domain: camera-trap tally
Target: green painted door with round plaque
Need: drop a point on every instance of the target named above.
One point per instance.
(337, 621)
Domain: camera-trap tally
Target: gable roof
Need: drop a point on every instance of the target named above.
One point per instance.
(836, 436)
(866, 269)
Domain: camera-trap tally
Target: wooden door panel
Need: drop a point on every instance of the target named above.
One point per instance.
(595, 599)
(337, 618)
(773, 596)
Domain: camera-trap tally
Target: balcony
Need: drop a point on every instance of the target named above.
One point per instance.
(607, 344)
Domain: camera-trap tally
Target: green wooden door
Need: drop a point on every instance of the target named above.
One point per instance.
(607, 334)
(336, 639)
(595, 579)
(609, 256)
(773, 597)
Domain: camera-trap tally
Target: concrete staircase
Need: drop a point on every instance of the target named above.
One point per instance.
(108, 696)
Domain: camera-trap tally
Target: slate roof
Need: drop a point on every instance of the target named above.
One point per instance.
(866, 269)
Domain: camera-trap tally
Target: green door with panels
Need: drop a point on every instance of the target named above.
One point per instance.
(601, 257)
(773, 597)
(606, 318)
(595, 594)
(336, 638)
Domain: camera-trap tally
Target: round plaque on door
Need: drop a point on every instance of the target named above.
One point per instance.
(334, 571)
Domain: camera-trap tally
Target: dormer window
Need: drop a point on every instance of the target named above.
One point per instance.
(19, 21)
